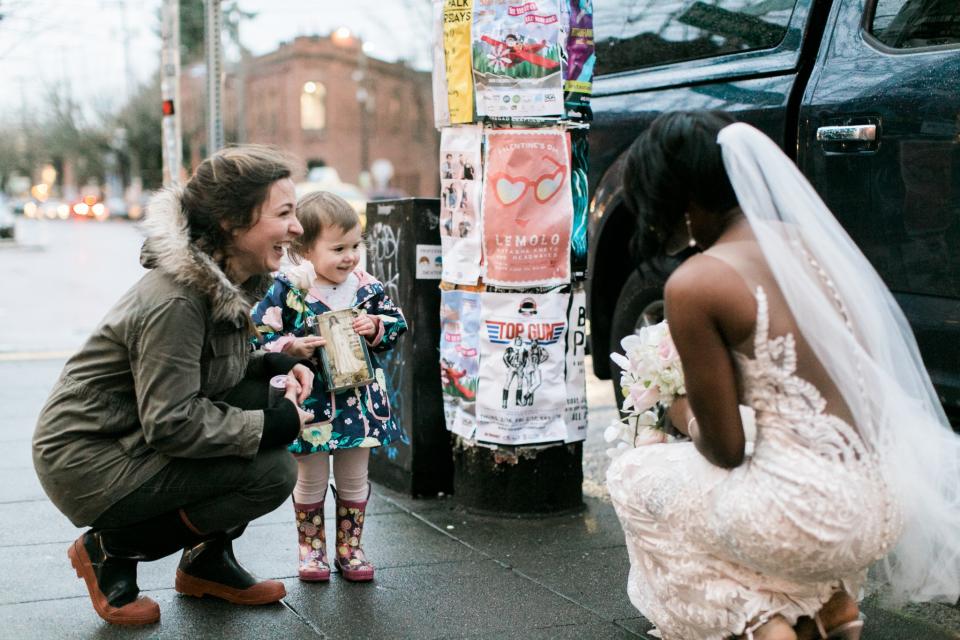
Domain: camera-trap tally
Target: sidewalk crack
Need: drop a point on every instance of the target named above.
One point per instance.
(304, 620)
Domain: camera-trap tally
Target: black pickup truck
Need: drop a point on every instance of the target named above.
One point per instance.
(863, 94)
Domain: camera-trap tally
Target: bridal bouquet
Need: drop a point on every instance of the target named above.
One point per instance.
(651, 379)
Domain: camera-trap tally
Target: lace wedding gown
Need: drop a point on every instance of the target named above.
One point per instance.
(715, 552)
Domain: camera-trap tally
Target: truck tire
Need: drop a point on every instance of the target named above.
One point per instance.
(640, 304)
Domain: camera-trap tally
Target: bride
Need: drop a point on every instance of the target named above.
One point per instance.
(854, 463)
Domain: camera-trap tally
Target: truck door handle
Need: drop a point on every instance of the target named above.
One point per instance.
(852, 133)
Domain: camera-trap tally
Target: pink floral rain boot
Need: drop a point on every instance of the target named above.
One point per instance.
(349, 558)
(313, 543)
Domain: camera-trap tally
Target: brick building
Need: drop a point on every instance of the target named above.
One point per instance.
(324, 100)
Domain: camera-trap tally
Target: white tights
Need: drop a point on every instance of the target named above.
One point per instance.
(349, 474)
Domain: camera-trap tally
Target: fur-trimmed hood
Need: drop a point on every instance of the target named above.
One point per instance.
(168, 249)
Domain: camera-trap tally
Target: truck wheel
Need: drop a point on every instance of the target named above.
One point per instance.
(640, 304)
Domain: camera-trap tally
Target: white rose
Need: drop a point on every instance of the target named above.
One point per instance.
(302, 276)
(612, 432)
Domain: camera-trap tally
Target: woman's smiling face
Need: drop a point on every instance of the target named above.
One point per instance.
(260, 248)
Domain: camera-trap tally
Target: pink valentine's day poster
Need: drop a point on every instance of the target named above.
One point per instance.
(527, 207)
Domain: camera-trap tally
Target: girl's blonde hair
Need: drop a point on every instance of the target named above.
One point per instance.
(317, 211)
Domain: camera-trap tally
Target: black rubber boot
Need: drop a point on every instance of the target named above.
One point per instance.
(210, 568)
(107, 560)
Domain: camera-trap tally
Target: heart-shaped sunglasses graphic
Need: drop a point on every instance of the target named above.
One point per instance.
(509, 189)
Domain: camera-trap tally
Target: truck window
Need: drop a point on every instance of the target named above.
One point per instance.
(632, 34)
(907, 24)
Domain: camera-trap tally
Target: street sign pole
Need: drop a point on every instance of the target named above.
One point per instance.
(213, 27)
(170, 92)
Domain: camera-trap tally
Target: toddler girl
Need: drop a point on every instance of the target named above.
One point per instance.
(348, 422)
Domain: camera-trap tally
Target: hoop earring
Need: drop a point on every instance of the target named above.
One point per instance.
(691, 242)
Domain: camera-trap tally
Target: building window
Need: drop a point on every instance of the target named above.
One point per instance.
(313, 106)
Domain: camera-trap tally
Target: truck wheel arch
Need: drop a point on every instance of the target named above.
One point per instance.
(611, 266)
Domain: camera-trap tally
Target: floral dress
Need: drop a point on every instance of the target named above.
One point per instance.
(356, 417)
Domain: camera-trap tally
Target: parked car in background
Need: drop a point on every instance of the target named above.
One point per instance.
(862, 94)
(90, 207)
(8, 224)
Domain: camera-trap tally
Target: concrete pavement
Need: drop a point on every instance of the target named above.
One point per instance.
(442, 573)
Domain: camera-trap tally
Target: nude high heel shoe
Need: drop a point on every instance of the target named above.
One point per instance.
(846, 631)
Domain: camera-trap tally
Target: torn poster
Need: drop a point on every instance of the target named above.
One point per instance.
(457, 19)
(581, 55)
(575, 413)
(460, 359)
(581, 205)
(460, 189)
(441, 106)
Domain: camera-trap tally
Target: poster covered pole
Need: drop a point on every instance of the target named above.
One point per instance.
(511, 91)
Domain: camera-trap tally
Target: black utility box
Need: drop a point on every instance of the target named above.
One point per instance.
(403, 252)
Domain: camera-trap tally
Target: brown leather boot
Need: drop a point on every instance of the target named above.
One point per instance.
(110, 574)
(107, 560)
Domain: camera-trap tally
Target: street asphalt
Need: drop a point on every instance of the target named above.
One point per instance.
(442, 572)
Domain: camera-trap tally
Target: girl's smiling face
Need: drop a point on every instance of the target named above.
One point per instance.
(335, 254)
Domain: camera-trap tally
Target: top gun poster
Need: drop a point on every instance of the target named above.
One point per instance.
(517, 58)
(522, 393)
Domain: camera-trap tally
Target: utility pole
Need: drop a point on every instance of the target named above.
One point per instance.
(213, 28)
(170, 92)
(136, 182)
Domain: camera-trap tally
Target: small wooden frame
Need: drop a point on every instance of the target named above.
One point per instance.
(345, 358)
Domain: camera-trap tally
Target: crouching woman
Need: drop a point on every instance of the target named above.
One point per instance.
(156, 434)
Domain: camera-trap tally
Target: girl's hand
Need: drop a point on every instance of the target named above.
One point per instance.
(304, 347)
(364, 325)
(293, 388)
(303, 377)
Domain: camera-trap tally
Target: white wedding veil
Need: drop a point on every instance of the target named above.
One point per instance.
(854, 326)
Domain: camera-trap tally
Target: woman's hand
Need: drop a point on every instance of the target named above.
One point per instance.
(304, 347)
(292, 394)
(364, 325)
(300, 379)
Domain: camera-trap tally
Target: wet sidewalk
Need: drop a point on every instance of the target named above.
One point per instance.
(441, 572)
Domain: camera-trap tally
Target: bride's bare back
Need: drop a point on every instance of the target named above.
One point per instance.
(711, 307)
